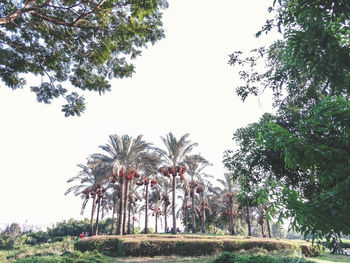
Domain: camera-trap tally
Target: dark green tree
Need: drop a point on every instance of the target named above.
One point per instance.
(303, 149)
(69, 43)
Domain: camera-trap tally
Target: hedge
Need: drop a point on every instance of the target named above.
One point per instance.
(183, 245)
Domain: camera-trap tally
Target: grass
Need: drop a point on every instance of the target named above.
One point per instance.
(166, 259)
(329, 258)
(62, 252)
(326, 258)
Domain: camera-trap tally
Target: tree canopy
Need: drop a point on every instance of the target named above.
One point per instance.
(74, 45)
(303, 149)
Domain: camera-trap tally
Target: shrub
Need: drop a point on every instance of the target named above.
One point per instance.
(99, 244)
(169, 247)
(37, 237)
(226, 257)
(7, 242)
(3, 258)
(71, 227)
(189, 245)
(345, 243)
(311, 251)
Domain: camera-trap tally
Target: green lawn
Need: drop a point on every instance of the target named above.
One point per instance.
(329, 258)
(326, 258)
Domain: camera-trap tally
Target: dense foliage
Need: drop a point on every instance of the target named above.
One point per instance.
(189, 245)
(83, 42)
(297, 160)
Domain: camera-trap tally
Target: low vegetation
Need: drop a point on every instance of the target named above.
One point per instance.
(188, 245)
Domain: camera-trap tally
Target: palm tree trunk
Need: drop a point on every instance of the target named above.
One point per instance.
(117, 217)
(146, 210)
(231, 217)
(126, 199)
(268, 227)
(165, 218)
(156, 223)
(91, 230)
(129, 217)
(229, 223)
(203, 220)
(133, 224)
(174, 204)
(248, 222)
(120, 212)
(186, 215)
(193, 216)
(98, 214)
(262, 230)
(113, 212)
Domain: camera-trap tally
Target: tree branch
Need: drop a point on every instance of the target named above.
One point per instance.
(35, 10)
(10, 18)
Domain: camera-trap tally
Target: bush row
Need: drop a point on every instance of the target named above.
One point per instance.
(137, 247)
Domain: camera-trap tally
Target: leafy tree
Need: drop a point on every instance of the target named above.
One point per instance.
(70, 227)
(320, 150)
(83, 42)
(303, 148)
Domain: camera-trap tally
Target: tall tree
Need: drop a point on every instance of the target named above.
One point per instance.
(303, 147)
(228, 194)
(184, 211)
(195, 164)
(123, 153)
(83, 42)
(204, 197)
(149, 165)
(164, 187)
(174, 156)
(90, 179)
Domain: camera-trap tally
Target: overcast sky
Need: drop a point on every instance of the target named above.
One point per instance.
(182, 84)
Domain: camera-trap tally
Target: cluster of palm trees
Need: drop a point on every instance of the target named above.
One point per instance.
(131, 175)
(111, 179)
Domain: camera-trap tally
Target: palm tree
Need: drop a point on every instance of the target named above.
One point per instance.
(164, 188)
(228, 193)
(101, 201)
(133, 198)
(183, 212)
(123, 154)
(113, 200)
(204, 199)
(149, 165)
(136, 210)
(156, 203)
(176, 151)
(90, 178)
(195, 164)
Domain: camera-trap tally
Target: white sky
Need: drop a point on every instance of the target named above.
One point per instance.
(182, 84)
